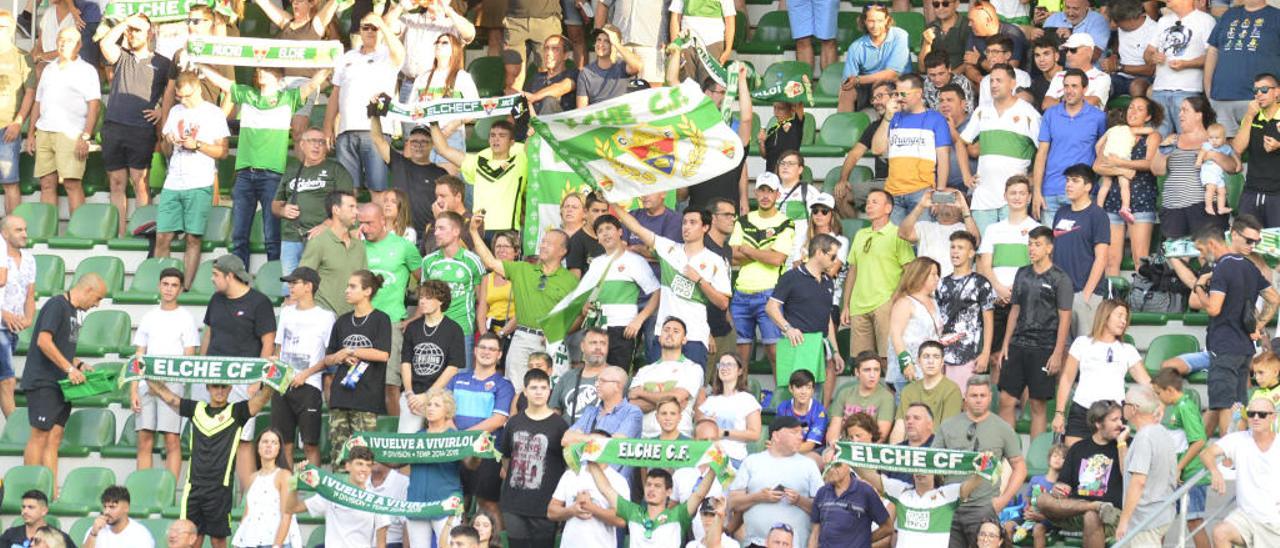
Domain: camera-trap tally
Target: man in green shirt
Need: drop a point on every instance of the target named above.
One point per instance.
(265, 115)
(17, 94)
(455, 265)
(876, 257)
(395, 259)
(867, 395)
(300, 198)
(498, 173)
(334, 252)
(653, 523)
(536, 290)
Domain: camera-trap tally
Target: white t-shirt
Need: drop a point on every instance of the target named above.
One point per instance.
(618, 293)
(588, 532)
(190, 169)
(50, 26)
(709, 29)
(668, 375)
(22, 275)
(725, 541)
(933, 241)
(65, 92)
(345, 527)
(923, 521)
(730, 413)
(680, 296)
(1009, 152)
(764, 470)
(1011, 8)
(1099, 85)
(1021, 78)
(134, 535)
(1187, 40)
(1102, 369)
(1134, 43)
(304, 337)
(166, 333)
(362, 76)
(1255, 476)
(396, 486)
(1007, 245)
(685, 481)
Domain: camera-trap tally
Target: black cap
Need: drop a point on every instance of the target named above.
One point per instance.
(304, 273)
(783, 421)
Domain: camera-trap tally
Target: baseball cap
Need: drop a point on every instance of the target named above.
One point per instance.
(782, 422)
(1078, 40)
(768, 179)
(822, 199)
(231, 264)
(305, 274)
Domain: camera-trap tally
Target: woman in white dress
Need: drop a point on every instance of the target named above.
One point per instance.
(913, 319)
(265, 522)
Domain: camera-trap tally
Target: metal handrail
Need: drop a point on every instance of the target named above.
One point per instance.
(1179, 494)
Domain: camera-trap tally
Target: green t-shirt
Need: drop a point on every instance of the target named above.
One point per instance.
(334, 262)
(1184, 423)
(308, 188)
(668, 529)
(15, 77)
(394, 258)
(463, 273)
(848, 401)
(264, 126)
(878, 256)
(536, 293)
(944, 399)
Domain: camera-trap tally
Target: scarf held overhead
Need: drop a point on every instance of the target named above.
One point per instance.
(915, 460)
(445, 110)
(333, 489)
(424, 448)
(208, 370)
(158, 11)
(651, 454)
(263, 52)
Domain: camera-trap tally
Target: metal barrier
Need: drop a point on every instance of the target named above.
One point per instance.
(1180, 520)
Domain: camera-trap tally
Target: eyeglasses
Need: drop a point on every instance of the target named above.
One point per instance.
(971, 436)
(1249, 241)
(313, 141)
(782, 527)
(988, 535)
(503, 246)
(368, 28)
(1072, 51)
(542, 282)
(489, 348)
(997, 51)
(195, 20)
(820, 210)
(728, 214)
(727, 364)
(1259, 414)
(1262, 89)
(937, 5)
(1111, 355)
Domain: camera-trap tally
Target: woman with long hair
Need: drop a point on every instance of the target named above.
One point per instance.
(48, 537)
(734, 409)
(266, 522)
(435, 481)
(360, 347)
(823, 219)
(486, 524)
(1182, 205)
(496, 307)
(446, 80)
(305, 20)
(913, 319)
(1141, 113)
(395, 208)
(1101, 359)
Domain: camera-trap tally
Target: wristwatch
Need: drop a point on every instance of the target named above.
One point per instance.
(84, 136)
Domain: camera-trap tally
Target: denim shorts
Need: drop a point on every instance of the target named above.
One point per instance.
(9, 160)
(8, 342)
(1196, 361)
(1195, 501)
(1145, 217)
(748, 313)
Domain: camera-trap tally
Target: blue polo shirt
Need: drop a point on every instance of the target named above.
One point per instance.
(846, 518)
(805, 300)
(479, 399)
(624, 420)
(1071, 140)
(1094, 24)
(864, 57)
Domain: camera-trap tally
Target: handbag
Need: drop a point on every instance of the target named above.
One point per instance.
(1157, 289)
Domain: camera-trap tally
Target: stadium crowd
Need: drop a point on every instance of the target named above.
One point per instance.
(1023, 156)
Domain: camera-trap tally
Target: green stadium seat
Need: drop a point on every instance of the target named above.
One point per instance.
(1198, 319)
(144, 289)
(1023, 425)
(840, 131)
(848, 29)
(257, 240)
(913, 23)
(226, 174)
(827, 93)
(87, 431)
(16, 433)
(42, 220)
(267, 280)
(105, 332)
(158, 527)
(387, 423)
(1148, 318)
(1038, 454)
(82, 491)
(111, 269)
(784, 71)
(807, 134)
(49, 520)
(478, 138)
(141, 216)
(490, 76)
(156, 175)
(741, 27)
(150, 490)
(1235, 186)
(217, 229)
(772, 35)
(1167, 346)
(201, 287)
(24, 343)
(19, 480)
(851, 226)
(51, 275)
(80, 528)
(90, 225)
(127, 446)
(1119, 101)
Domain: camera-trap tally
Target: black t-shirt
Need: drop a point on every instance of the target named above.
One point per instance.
(1094, 472)
(214, 431)
(16, 537)
(419, 182)
(1039, 86)
(1263, 174)
(552, 105)
(429, 350)
(780, 138)
(138, 84)
(1040, 297)
(881, 162)
(536, 463)
(237, 325)
(716, 318)
(1240, 281)
(582, 248)
(62, 321)
(724, 186)
(372, 331)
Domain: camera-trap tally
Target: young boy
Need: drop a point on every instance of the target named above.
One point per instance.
(215, 429)
(347, 526)
(1212, 175)
(533, 463)
(810, 412)
(168, 330)
(1182, 418)
(1038, 485)
(654, 524)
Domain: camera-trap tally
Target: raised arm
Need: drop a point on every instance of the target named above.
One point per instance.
(602, 482)
(213, 77)
(324, 15)
(277, 15)
(476, 227)
(646, 236)
(161, 391)
(109, 44)
(440, 144)
(380, 143)
(315, 84)
(704, 487)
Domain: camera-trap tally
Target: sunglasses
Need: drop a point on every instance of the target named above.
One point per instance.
(1262, 89)
(782, 526)
(1250, 241)
(196, 20)
(937, 5)
(1259, 414)
(1072, 51)
(364, 28)
(820, 210)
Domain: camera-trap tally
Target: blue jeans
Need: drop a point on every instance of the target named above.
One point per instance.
(254, 187)
(1171, 101)
(290, 254)
(1051, 206)
(9, 160)
(905, 203)
(8, 342)
(357, 154)
(748, 313)
(987, 217)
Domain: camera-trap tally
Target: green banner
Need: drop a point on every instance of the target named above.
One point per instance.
(651, 454)
(263, 52)
(159, 11)
(916, 460)
(209, 370)
(424, 448)
(550, 180)
(726, 76)
(333, 489)
(444, 110)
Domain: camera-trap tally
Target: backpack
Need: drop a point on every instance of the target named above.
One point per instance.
(1156, 288)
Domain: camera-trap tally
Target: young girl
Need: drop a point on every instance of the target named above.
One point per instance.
(483, 523)
(1038, 485)
(1118, 142)
(395, 208)
(1212, 176)
(264, 523)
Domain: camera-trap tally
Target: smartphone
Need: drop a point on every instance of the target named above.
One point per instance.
(779, 488)
(944, 197)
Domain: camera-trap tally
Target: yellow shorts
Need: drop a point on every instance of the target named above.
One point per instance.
(56, 153)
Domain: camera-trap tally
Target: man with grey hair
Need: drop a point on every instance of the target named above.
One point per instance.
(1150, 474)
(17, 301)
(1257, 464)
(575, 391)
(181, 534)
(612, 413)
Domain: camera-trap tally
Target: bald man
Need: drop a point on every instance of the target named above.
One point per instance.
(52, 359)
(17, 301)
(182, 534)
(395, 259)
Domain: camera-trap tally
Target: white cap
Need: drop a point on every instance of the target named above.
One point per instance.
(822, 199)
(768, 179)
(1078, 40)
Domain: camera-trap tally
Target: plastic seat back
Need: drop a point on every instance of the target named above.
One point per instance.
(149, 490)
(51, 275)
(217, 228)
(19, 480)
(489, 74)
(1167, 346)
(82, 491)
(843, 129)
(105, 332)
(41, 218)
(145, 287)
(111, 269)
(90, 225)
(267, 280)
(88, 431)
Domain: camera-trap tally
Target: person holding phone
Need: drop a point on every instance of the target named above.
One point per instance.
(932, 238)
